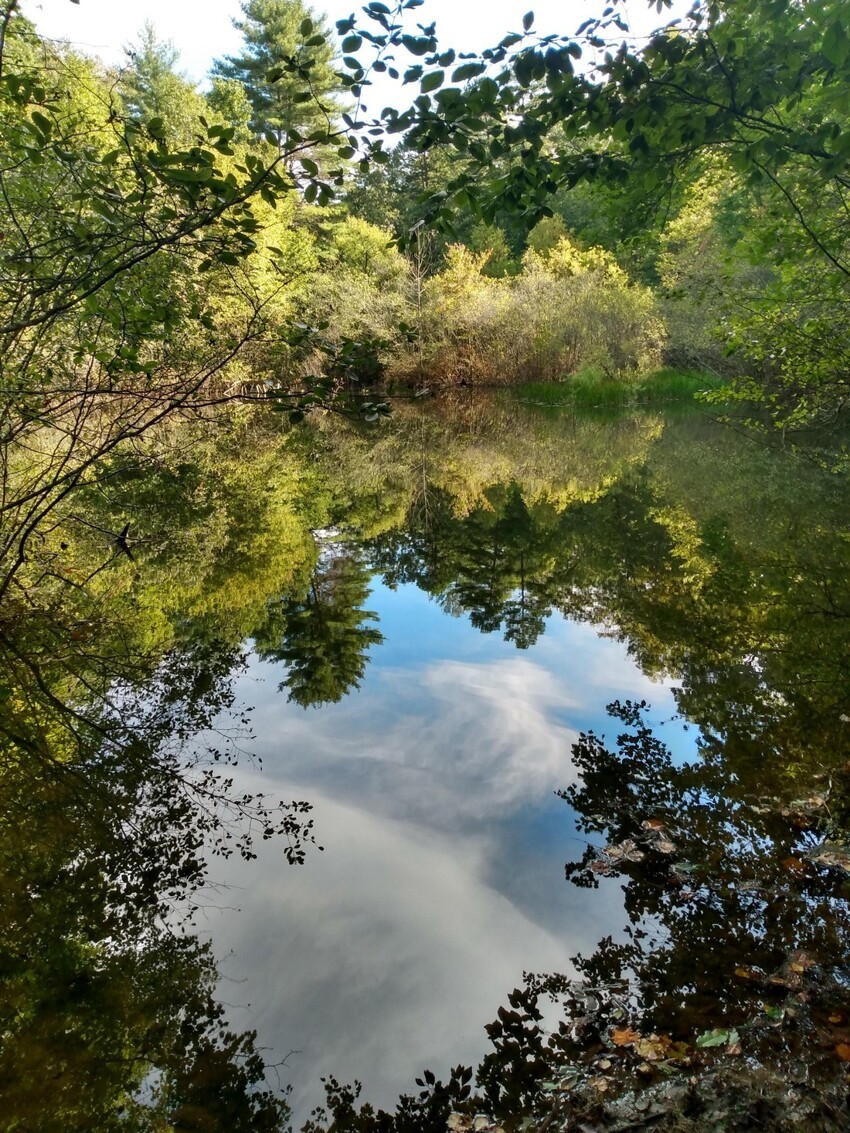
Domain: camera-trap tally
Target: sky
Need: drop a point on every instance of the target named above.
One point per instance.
(202, 30)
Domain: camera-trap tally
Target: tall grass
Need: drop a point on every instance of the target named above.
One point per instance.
(593, 389)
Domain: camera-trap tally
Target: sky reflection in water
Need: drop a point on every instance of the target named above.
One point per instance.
(442, 878)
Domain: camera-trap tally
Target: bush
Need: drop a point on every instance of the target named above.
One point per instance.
(568, 310)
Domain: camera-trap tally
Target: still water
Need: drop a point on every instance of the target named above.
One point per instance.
(435, 781)
(419, 632)
(442, 878)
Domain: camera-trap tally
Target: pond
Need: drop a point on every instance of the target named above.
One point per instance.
(566, 695)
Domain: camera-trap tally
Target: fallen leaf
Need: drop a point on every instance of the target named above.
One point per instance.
(652, 1049)
(664, 847)
(601, 1084)
(653, 824)
(794, 865)
(624, 1036)
(801, 961)
(458, 1122)
(746, 973)
(717, 1038)
(843, 1052)
(626, 851)
(831, 855)
(684, 867)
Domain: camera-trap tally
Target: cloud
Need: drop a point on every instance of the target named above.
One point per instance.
(451, 743)
(379, 957)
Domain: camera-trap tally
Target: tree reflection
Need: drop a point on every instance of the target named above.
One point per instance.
(725, 890)
(724, 1003)
(495, 564)
(110, 807)
(717, 564)
(750, 619)
(321, 636)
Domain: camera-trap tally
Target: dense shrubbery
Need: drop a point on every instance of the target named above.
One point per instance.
(565, 311)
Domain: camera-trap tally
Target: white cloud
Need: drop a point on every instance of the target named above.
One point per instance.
(381, 956)
(447, 744)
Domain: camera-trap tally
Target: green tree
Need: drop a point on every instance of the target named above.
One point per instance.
(323, 638)
(227, 97)
(286, 68)
(753, 81)
(152, 88)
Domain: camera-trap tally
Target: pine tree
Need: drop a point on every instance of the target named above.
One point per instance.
(151, 87)
(276, 33)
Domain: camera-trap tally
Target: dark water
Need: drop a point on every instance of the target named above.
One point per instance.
(430, 626)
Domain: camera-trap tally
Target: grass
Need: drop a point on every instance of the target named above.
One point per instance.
(593, 389)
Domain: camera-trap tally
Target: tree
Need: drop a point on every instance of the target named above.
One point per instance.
(127, 282)
(324, 640)
(286, 69)
(151, 87)
(763, 83)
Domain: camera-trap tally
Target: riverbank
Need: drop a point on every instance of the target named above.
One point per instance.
(591, 389)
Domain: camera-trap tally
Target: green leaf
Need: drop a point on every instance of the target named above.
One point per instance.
(351, 43)
(468, 71)
(417, 45)
(527, 21)
(307, 26)
(717, 1038)
(836, 44)
(432, 81)
(42, 123)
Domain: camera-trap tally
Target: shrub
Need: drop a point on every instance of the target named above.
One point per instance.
(569, 309)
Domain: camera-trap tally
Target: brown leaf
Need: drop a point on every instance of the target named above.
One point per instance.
(653, 824)
(794, 865)
(652, 1049)
(747, 973)
(843, 1052)
(801, 961)
(624, 1036)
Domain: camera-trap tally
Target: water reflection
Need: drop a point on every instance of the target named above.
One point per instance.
(460, 596)
(442, 877)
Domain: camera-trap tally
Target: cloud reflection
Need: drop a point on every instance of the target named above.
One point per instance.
(383, 955)
(442, 879)
(453, 743)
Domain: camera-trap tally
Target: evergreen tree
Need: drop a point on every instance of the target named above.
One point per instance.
(325, 638)
(279, 35)
(151, 87)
